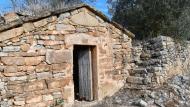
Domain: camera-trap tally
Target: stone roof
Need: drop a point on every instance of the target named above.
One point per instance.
(20, 19)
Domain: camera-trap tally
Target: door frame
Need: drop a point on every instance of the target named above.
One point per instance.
(94, 58)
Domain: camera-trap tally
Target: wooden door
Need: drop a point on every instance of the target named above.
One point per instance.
(85, 74)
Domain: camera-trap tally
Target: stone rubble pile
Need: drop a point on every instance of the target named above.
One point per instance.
(174, 93)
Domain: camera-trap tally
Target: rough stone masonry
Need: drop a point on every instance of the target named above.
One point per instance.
(36, 55)
(157, 59)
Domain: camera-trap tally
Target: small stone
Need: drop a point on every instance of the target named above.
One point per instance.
(58, 75)
(125, 38)
(58, 83)
(68, 93)
(4, 104)
(41, 23)
(135, 80)
(102, 29)
(3, 54)
(42, 68)
(50, 42)
(52, 19)
(63, 27)
(11, 49)
(60, 67)
(10, 17)
(25, 47)
(47, 97)
(60, 38)
(21, 78)
(13, 74)
(9, 43)
(17, 88)
(52, 37)
(81, 30)
(28, 27)
(32, 77)
(56, 57)
(19, 103)
(63, 16)
(44, 75)
(11, 33)
(159, 103)
(118, 100)
(11, 69)
(33, 99)
(145, 55)
(172, 103)
(16, 39)
(44, 37)
(51, 26)
(41, 104)
(74, 12)
(2, 85)
(34, 60)
(27, 68)
(65, 21)
(85, 19)
(157, 69)
(13, 60)
(2, 68)
(117, 46)
(154, 95)
(57, 95)
(35, 86)
(141, 103)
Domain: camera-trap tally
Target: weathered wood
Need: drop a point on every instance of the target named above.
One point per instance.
(94, 73)
(85, 74)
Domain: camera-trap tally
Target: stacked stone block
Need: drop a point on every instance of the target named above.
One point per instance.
(156, 60)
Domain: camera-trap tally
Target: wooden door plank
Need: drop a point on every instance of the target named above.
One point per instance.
(90, 76)
(85, 75)
(81, 78)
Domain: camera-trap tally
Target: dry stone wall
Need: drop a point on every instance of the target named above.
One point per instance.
(36, 58)
(156, 60)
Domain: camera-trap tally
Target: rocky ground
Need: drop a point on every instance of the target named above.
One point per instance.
(174, 93)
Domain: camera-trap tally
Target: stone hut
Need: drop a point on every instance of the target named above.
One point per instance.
(70, 54)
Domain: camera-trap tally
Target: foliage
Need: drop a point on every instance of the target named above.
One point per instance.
(58, 102)
(149, 18)
(35, 7)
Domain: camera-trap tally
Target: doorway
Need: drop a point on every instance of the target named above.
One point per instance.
(85, 72)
